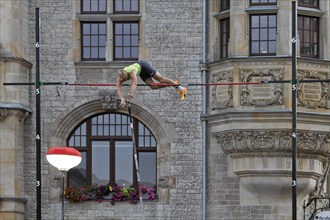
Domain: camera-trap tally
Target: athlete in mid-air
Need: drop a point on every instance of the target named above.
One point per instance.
(149, 75)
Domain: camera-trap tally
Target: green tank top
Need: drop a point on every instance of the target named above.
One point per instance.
(130, 68)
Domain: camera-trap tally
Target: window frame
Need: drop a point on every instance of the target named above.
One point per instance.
(224, 42)
(224, 5)
(115, 58)
(259, 40)
(128, 11)
(301, 36)
(82, 46)
(112, 139)
(317, 6)
(263, 3)
(93, 12)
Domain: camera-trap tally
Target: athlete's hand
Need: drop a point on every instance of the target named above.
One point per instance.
(130, 95)
(122, 103)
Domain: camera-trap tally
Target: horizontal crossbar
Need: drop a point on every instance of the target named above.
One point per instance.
(188, 84)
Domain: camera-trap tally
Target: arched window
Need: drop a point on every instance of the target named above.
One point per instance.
(106, 146)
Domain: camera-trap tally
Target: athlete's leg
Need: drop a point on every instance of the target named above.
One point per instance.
(166, 82)
(151, 83)
(161, 80)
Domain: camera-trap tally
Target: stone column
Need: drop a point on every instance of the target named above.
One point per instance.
(11, 163)
(284, 32)
(13, 106)
(239, 30)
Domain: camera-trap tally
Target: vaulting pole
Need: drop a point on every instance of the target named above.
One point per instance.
(38, 136)
(294, 112)
(136, 159)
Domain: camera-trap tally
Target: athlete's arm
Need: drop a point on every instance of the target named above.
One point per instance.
(120, 92)
(134, 82)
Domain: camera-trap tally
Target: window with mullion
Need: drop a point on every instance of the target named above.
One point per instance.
(224, 5)
(93, 42)
(308, 29)
(263, 2)
(309, 3)
(93, 6)
(126, 6)
(224, 37)
(126, 40)
(108, 155)
(262, 35)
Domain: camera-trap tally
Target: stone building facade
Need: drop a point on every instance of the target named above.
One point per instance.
(248, 147)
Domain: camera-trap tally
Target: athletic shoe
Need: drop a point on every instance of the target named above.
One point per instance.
(183, 93)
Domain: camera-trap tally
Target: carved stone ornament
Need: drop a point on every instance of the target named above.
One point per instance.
(222, 95)
(3, 113)
(167, 182)
(272, 143)
(261, 94)
(312, 95)
(316, 206)
(109, 100)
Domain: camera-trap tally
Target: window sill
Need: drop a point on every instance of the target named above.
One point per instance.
(262, 55)
(222, 15)
(104, 17)
(313, 12)
(92, 17)
(125, 17)
(102, 64)
(262, 9)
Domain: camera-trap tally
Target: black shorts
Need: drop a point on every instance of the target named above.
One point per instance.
(146, 70)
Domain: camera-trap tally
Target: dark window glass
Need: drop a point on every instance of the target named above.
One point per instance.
(78, 175)
(263, 2)
(126, 6)
(224, 37)
(224, 5)
(263, 35)
(94, 6)
(108, 155)
(308, 29)
(148, 176)
(93, 40)
(309, 3)
(126, 40)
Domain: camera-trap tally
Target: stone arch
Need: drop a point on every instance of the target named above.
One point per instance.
(164, 133)
(85, 108)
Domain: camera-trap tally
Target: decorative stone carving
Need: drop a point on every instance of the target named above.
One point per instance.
(312, 95)
(109, 100)
(3, 113)
(222, 96)
(318, 191)
(316, 206)
(167, 182)
(271, 143)
(261, 94)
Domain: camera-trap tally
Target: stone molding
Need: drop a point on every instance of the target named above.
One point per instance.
(6, 106)
(240, 143)
(18, 60)
(12, 204)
